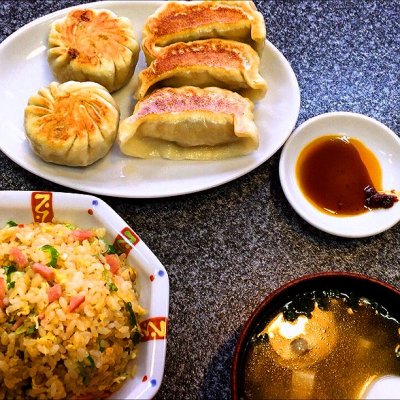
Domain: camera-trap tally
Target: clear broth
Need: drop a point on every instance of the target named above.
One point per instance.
(365, 347)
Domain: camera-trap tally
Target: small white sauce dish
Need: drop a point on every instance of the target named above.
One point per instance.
(382, 141)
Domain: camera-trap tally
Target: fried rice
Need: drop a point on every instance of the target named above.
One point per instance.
(68, 313)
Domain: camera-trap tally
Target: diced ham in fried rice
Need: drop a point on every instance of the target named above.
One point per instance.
(114, 262)
(54, 293)
(43, 270)
(65, 331)
(18, 257)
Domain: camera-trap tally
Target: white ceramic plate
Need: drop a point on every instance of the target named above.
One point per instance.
(24, 70)
(152, 280)
(383, 142)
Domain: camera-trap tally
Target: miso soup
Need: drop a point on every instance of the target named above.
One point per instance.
(325, 345)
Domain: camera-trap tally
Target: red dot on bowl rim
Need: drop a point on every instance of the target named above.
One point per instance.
(152, 278)
(90, 211)
(144, 379)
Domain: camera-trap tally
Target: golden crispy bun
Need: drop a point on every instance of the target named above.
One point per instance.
(93, 45)
(73, 123)
(188, 21)
(203, 63)
(190, 123)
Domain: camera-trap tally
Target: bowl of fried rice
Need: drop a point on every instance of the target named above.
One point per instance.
(83, 301)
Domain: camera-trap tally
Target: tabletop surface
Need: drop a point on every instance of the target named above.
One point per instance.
(226, 248)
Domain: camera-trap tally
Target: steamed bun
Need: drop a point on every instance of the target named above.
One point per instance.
(93, 45)
(72, 123)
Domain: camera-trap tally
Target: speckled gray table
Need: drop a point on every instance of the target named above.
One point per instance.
(225, 249)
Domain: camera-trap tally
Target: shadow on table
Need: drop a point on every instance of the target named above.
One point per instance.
(216, 384)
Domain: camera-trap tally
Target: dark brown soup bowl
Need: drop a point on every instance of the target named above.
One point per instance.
(373, 289)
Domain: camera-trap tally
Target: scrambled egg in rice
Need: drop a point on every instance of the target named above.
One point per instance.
(68, 313)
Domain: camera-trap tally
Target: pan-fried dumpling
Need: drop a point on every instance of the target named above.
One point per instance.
(190, 123)
(203, 63)
(93, 45)
(72, 123)
(188, 21)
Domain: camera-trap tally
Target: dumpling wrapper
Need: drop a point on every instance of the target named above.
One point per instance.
(72, 123)
(187, 21)
(204, 63)
(93, 45)
(190, 123)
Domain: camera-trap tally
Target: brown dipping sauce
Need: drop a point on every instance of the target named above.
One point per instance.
(341, 176)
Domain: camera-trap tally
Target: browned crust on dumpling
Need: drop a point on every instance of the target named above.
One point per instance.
(93, 45)
(199, 15)
(73, 123)
(212, 52)
(190, 98)
(190, 123)
(186, 21)
(212, 62)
